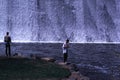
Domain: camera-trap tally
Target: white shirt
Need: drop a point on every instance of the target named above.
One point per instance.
(65, 47)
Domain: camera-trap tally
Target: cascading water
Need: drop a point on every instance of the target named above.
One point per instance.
(56, 20)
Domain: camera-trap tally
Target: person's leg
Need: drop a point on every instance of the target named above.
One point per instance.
(9, 50)
(65, 57)
(6, 50)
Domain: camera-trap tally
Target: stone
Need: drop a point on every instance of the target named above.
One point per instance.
(48, 59)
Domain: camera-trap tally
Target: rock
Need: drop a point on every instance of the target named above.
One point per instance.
(18, 55)
(48, 59)
(64, 65)
(84, 78)
(77, 76)
(74, 67)
(33, 56)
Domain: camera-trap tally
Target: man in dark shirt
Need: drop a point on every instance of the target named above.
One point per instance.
(7, 40)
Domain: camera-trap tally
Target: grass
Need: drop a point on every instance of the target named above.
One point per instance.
(14, 69)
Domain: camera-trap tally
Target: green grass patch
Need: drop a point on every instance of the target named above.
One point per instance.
(13, 69)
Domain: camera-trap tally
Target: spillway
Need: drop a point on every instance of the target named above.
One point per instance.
(57, 20)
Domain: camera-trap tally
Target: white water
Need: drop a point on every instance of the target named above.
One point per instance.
(56, 20)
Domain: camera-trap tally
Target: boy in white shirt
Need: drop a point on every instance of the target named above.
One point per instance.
(65, 50)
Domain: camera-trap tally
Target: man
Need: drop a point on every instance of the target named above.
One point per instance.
(65, 50)
(7, 40)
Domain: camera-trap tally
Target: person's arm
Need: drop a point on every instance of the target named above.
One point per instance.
(4, 39)
(10, 39)
(64, 46)
(67, 45)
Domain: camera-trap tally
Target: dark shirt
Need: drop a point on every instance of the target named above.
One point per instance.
(7, 39)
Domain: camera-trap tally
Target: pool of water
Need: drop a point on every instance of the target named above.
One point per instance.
(95, 60)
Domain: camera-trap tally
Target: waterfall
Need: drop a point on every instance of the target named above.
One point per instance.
(57, 20)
